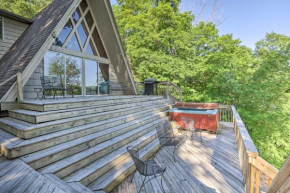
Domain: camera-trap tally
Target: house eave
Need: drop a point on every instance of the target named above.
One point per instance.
(13, 16)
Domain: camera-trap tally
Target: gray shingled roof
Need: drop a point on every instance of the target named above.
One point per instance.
(29, 43)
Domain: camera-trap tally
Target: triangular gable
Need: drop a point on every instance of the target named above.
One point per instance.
(46, 30)
(80, 33)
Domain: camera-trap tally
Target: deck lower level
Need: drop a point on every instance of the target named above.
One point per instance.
(210, 165)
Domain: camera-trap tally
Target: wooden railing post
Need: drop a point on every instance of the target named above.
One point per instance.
(167, 90)
(19, 87)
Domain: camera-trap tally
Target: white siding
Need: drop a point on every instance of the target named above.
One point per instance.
(12, 31)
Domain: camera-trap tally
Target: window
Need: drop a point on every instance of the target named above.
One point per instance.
(1, 28)
(81, 34)
(73, 44)
(59, 41)
(64, 71)
(76, 16)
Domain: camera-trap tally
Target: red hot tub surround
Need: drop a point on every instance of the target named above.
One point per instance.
(205, 115)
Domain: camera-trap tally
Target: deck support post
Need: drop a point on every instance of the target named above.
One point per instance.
(19, 87)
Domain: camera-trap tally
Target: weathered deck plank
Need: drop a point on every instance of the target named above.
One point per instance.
(208, 166)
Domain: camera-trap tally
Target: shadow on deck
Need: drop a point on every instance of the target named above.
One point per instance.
(210, 166)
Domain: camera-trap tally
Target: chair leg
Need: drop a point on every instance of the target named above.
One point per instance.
(143, 183)
(162, 183)
(133, 177)
(200, 135)
(174, 154)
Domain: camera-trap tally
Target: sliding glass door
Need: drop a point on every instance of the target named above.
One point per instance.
(96, 78)
(73, 73)
(91, 77)
(64, 71)
(103, 78)
(85, 77)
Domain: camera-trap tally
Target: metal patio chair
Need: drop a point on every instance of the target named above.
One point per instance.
(47, 86)
(168, 138)
(53, 84)
(146, 168)
(189, 126)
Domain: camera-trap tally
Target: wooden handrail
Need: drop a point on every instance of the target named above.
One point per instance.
(251, 163)
(281, 182)
(8, 79)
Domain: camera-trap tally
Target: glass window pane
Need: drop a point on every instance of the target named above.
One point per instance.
(74, 74)
(103, 73)
(90, 49)
(54, 68)
(89, 20)
(76, 15)
(1, 29)
(84, 5)
(73, 44)
(83, 33)
(91, 77)
(59, 41)
(99, 44)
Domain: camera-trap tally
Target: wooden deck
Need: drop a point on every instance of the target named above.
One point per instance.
(17, 176)
(208, 166)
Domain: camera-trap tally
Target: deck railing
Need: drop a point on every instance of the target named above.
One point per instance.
(251, 163)
(166, 89)
(225, 113)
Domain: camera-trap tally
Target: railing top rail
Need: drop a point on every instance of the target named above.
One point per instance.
(246, 138)
(225, 106)
(8, 80)
(281, 181)
(164, 83)
(168, 82)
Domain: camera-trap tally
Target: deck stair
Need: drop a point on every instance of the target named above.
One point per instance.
(84, 140)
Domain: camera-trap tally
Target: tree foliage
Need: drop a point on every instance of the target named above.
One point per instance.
(163, 43)
(25, 8)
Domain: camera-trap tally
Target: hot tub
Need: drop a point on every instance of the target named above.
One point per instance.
(206, 119)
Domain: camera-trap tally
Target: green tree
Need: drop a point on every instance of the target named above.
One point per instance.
(25, 8)
(264, 102)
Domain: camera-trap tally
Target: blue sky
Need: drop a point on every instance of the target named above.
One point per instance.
(250, 20)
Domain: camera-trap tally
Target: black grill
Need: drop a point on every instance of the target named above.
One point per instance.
(149, 86)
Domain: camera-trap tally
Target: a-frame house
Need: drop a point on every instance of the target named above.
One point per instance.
(73, 40)
(68, 101)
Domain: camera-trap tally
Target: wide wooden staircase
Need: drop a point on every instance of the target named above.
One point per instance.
(82, 142)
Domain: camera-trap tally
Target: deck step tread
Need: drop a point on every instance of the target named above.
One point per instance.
(24, 147)
(96, 165)
(82, 99)
(22, 125)
(105, 180)
(39, 113)
(78, 157)
(62, 147)
(35, 117)
(53, 105)
(79, 128)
